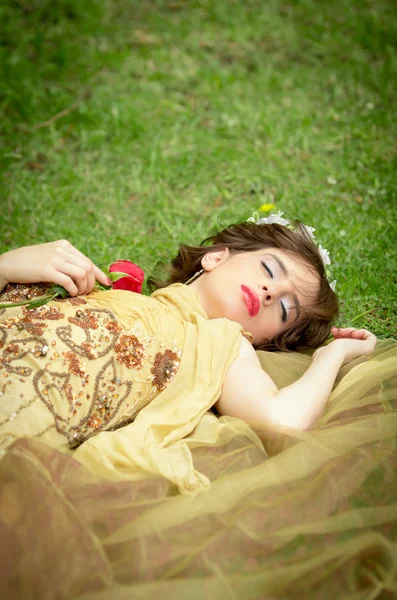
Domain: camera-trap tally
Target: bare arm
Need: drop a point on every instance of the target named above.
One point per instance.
(250, 394)
(56, 262)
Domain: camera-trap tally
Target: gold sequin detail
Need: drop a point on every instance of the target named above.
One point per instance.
(89, 351)
(70, 394)
(130, 352)
(17, 292)
(165, 366)
(11, 349)
(113, 326)
(95, 422)
(75, 366)
(52, 313)
(85, 319)
(77, 357)
(28, 325)
(76, 301)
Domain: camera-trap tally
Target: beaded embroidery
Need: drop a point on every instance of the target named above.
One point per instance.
(20, 292)
(130, 352)
(88, 371)
(165, 366)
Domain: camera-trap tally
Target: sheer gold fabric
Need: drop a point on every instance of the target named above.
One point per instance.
(300, 515)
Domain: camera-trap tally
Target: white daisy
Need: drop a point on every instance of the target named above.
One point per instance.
(324, 255)
(309, 230)
(273, 219)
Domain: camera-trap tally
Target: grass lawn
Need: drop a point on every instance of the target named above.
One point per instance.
(130, 126)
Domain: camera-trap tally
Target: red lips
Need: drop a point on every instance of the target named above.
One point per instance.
(251, 300)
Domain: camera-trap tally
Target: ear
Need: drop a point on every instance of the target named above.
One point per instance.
(211, 260)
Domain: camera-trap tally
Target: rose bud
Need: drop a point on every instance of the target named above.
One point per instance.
(133, 279)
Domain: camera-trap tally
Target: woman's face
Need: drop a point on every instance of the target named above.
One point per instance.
(264, 291)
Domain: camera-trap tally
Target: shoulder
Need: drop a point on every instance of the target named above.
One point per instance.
(247, 353)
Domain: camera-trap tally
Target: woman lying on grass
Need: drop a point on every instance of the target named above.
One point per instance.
(89, 364)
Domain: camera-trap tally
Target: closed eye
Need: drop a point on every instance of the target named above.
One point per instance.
(270, 272)
(284, 316)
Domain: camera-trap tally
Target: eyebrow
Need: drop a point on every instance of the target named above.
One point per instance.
(285, 271)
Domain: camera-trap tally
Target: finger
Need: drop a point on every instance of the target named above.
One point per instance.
(360, 334)
(78, 275)
(65, 281)
(93, 273)
(101, 277)
(77, 257)
(351, 332)
(67, 249)
(368, 335)
(88, 268)
(90, 280)
(342, 332)
(67, 246)
(84, 264)
(74, 257)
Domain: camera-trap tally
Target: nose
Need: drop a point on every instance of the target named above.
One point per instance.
(272, 290)
(269, 292)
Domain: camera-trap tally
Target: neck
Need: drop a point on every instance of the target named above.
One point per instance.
(197, 287)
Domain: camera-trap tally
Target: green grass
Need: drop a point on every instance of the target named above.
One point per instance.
(130, 126)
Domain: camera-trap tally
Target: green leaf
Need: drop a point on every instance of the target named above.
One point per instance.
(34, 303)
(59, 291)
(115, 276)
(39, 301)
(10, 304)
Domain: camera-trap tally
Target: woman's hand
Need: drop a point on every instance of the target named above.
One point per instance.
(350, 343)
(56, 262)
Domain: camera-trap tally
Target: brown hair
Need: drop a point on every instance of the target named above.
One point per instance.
(314, 327)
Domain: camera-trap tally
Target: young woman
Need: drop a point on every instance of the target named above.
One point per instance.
(97, 363)
(106, 427)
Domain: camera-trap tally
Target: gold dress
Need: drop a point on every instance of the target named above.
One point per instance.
(179, 503)
(75, 368)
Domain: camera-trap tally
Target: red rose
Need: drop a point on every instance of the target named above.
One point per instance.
(133, 279)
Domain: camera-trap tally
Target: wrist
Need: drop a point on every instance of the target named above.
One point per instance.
(3, 280)
(333, 353)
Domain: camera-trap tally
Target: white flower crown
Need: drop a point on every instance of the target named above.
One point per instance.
(278, 219)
